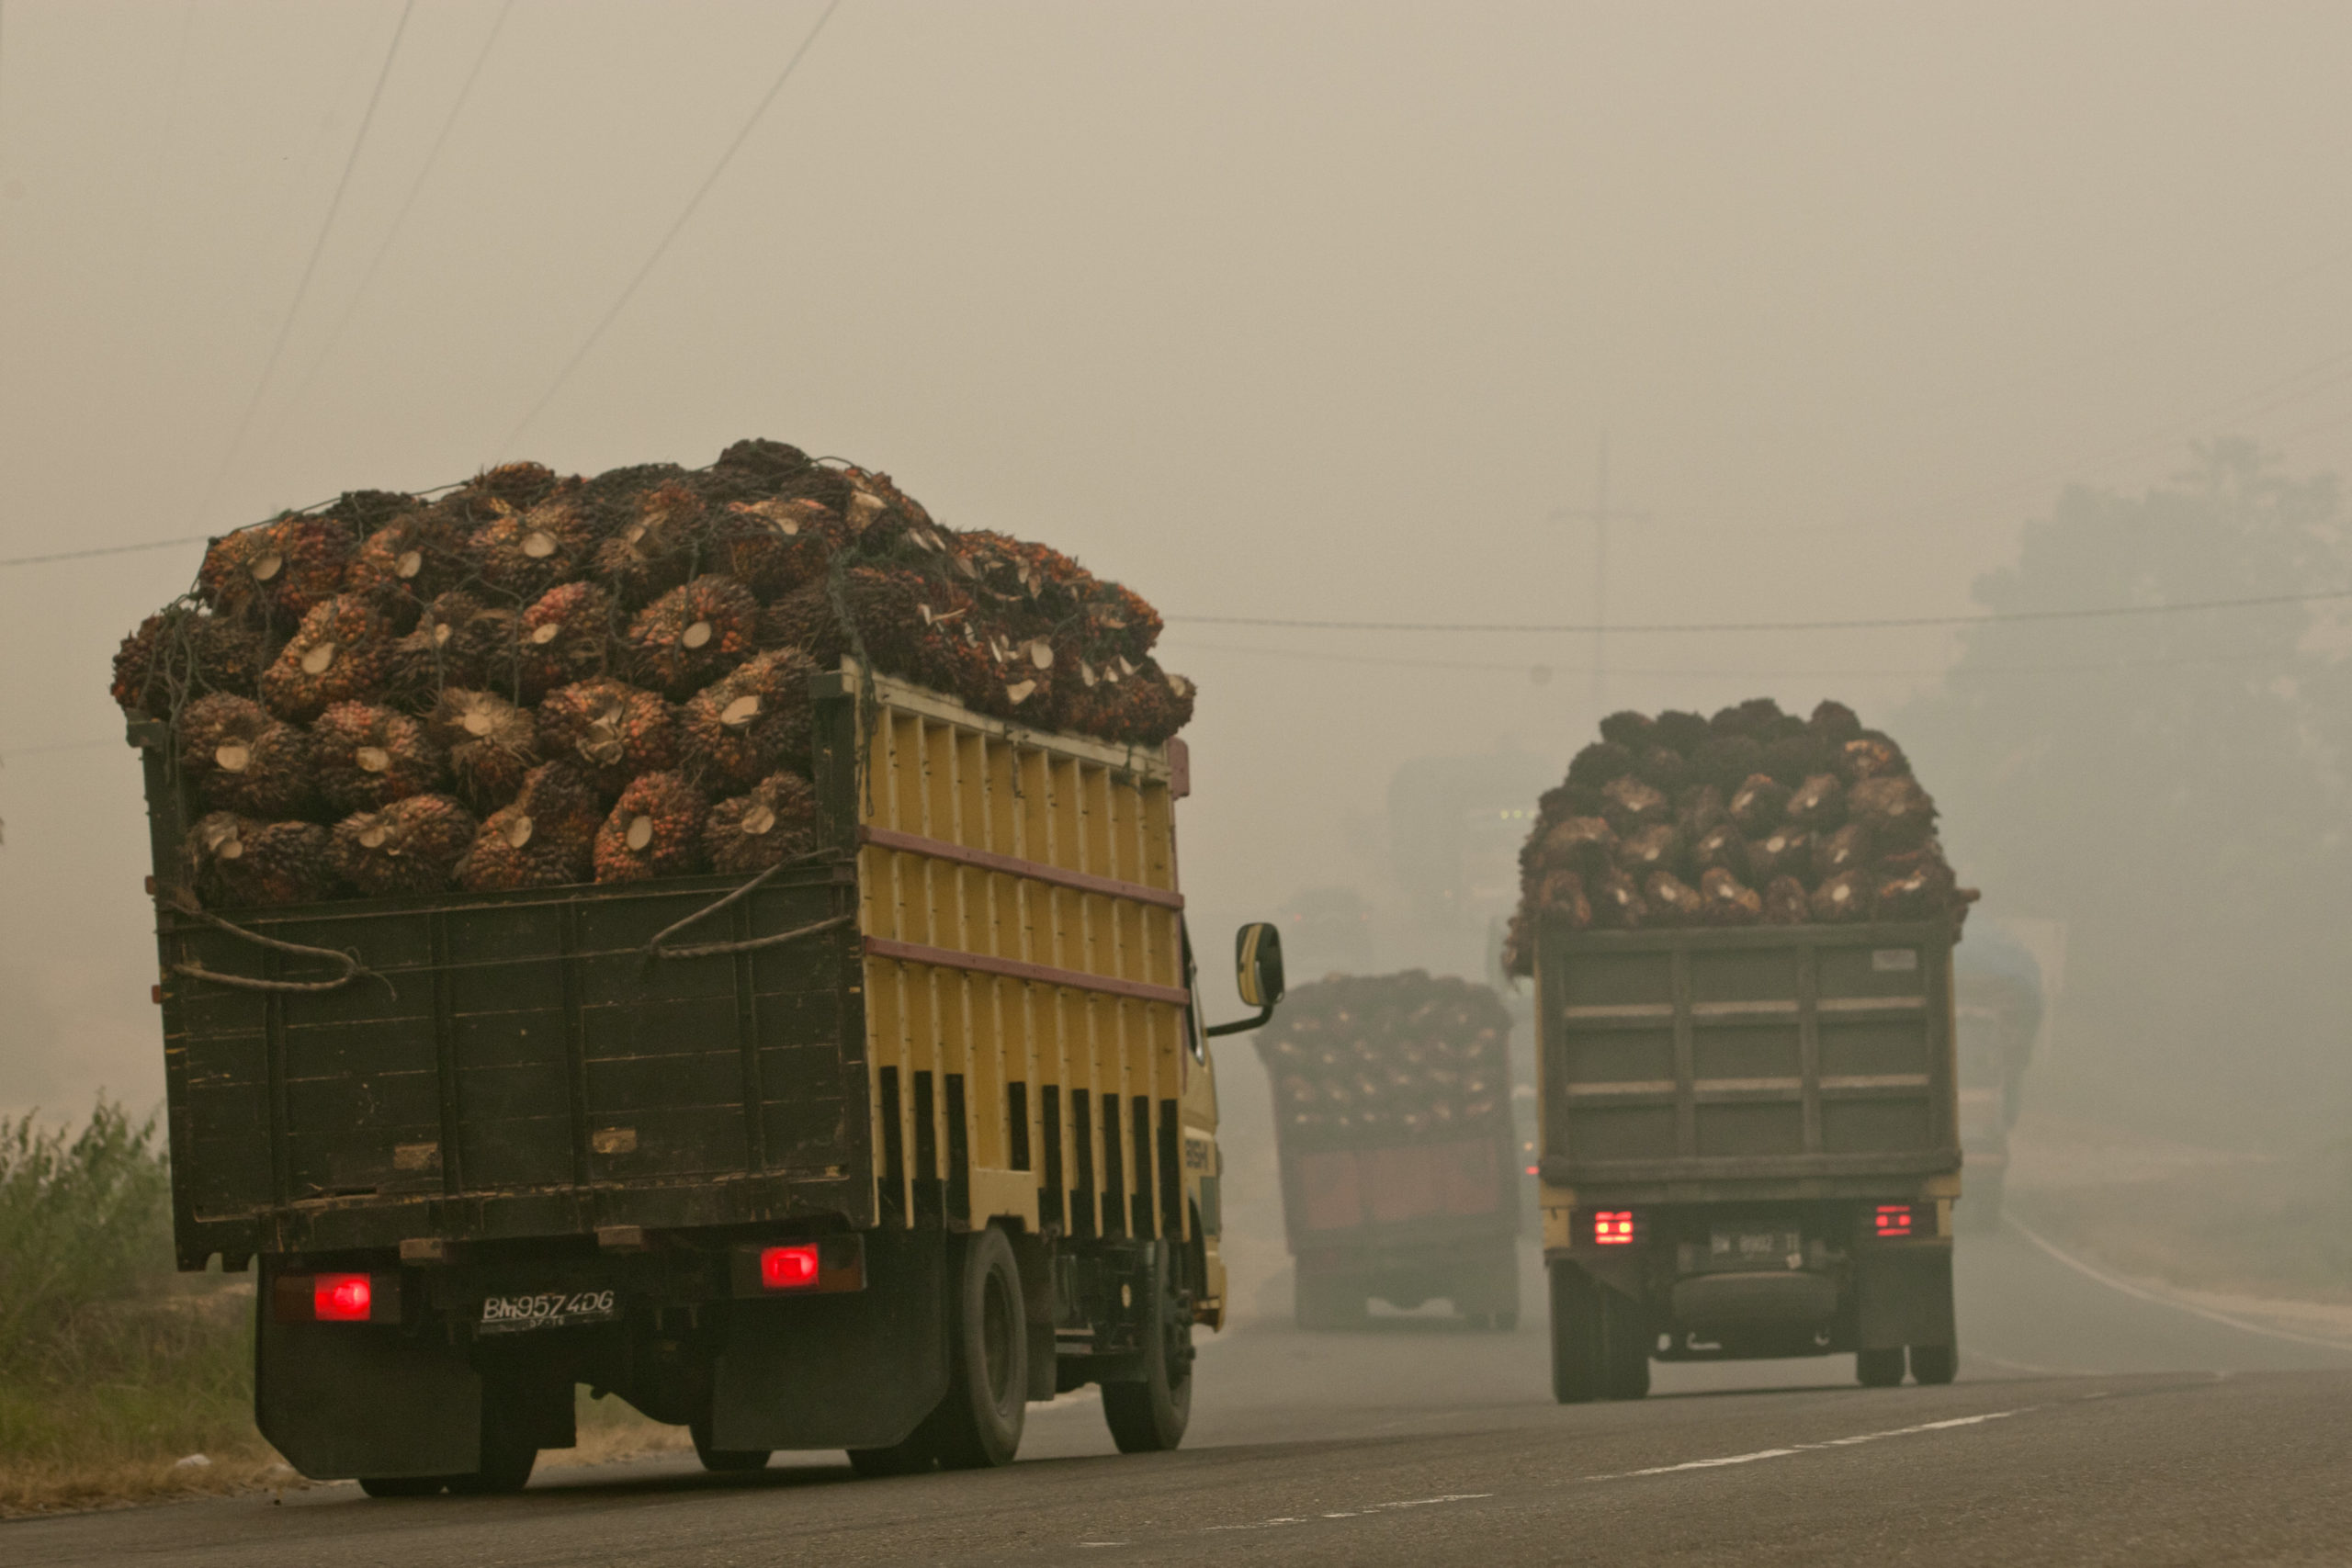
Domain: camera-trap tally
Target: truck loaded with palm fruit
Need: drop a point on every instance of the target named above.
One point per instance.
(1741, 934)
(711, 936)
(1392, 1117)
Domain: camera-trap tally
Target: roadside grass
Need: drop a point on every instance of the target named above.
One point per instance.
(115, 1371)
(2277, 1226)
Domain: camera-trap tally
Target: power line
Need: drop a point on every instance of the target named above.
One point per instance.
(1876, 624)
(351, 308)
(629, 292)
(1523, 667)
(318, 249)
(108, 550)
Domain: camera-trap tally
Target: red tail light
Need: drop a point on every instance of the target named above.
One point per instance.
(789, 1268)
(1894, 1219)
(1535, 1171)
(1613, 1227)
(342, 1298)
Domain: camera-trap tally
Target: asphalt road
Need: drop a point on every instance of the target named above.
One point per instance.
(2090, 1426)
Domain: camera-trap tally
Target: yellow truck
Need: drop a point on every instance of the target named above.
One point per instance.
(866, 1151)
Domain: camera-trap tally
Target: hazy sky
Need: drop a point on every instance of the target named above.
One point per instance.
(1311, 311)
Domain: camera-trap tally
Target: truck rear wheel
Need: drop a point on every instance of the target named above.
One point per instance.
(1933, 1364)
(978, 1426)
(1600, 1344)
(1150, 1416)
(402, 1485)
(1879, 1369)
(725, 1461)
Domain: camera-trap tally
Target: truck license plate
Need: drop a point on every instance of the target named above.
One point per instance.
(549, 1309)
(1758, 1249)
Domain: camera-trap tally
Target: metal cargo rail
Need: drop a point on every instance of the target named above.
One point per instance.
(970, 1002)
(1783, 1062)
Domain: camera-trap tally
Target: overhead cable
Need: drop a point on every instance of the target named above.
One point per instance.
(416, 186)
(310, 269)
(758, 112)
(1880, 623)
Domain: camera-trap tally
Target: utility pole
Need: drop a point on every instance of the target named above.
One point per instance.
(1599, 514)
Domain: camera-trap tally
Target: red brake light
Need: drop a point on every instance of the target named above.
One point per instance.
(789, 1268)
(1535, 1171)
(1894, 1219)
(342, 1298)
(1613, 1227)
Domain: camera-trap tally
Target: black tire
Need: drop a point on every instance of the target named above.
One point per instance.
(978, 1426)
(1932, 1364)
(1879, 1369)
(725, 1461)
(1601, 1340)
(1150, 1418)
(402, 1485)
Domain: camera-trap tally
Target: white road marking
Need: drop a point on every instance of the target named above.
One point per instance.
(1368, 1508)
(1945, 1425)
(2091, 1271)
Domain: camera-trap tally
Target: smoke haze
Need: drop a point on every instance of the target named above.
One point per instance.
(1299, 311)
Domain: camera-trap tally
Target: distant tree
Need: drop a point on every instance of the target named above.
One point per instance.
(2172, 787)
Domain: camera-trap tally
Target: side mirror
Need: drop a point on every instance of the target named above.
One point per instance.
(1257, 975)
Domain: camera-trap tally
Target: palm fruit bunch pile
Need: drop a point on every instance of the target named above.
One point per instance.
(531, 681)
(1754, 817)
(1358, 1059)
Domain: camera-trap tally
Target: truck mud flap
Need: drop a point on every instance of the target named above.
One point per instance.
(344, 1399)
(1903, 1297)
(847, 1371)
(1713, 1305)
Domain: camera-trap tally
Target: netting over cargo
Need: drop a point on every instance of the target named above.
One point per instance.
(1354, 1057)
(1753, 816)
(529, 681)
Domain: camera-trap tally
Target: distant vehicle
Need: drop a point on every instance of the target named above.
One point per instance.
(864, 1154)
(1998, 989)
(1394, 1126)
(1751, 1148)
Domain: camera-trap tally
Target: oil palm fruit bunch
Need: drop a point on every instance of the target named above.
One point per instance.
(1758, 803)
(565, 636)
(368, 756)
(1894, 808)
(806, 619)
(1786, 902)
(546, 836)
(694, 634)
(522, 553)
(341, 652)
(492, 744)
(1388, 1055)
(749, 723)
(182, 653)
(410, 561)
(1730, 901)
(458, 640)
(655, 550)
(276, 571)
(774, 821)
(655, 829)
(1672, 901)
(408, 846)
(243, 860)
(610, 731)
(1774, 818)
(773, 547)
(242, 759)
(520, 484)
